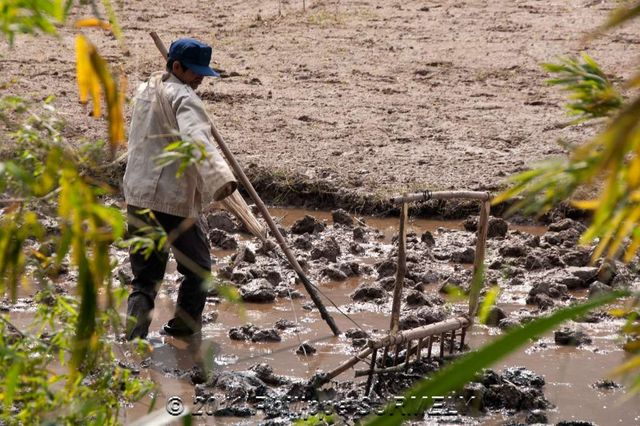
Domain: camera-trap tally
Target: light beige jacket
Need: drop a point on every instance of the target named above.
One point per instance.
(166, 111)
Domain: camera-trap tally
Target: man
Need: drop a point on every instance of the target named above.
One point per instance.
(167, 109)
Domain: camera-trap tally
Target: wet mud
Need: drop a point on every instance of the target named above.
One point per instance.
(253, 362)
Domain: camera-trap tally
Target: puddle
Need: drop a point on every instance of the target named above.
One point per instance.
(569, 372)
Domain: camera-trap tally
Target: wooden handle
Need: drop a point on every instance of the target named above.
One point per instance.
(159, 44)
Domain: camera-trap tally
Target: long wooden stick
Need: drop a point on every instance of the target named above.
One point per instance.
(266, 215)
(440, 195)
(402, 269)
(478, 261)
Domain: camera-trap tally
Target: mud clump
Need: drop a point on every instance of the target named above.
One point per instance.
(516, 389)
(223, 240)
(597, 289)
(341, 217)
(306, 349)
(386, 268)
(254, 334)
(258, 291)
(333, 274)
(328, 249)
(466, 255)
(497, 227)
(244, 254)
(570, 337)
(222, 221)
(366, 292)
(496, 315)
(307, 225)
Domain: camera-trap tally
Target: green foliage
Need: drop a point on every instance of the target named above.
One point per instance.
(613, 156)
(35, 389)
(489, 301)
(456, 374)
(593, 94)
(320, 419)
(152, 238)
(621, 15)
(68, 332)
(31, 16)
(183, 152)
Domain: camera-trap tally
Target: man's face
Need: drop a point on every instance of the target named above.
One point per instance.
(188, 77)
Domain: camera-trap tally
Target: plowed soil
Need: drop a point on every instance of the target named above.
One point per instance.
(375, 97)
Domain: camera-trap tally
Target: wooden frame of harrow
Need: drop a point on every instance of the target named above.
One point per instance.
(426, 335)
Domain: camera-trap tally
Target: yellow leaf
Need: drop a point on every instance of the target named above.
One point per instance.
(627, 366)
(92, 22)
(618, 313)
(88, 83)
(92, 73)
(586, 204)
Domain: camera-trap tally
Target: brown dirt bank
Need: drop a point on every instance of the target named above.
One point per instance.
(374, 98)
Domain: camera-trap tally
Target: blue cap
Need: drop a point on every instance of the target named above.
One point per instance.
(193, 54)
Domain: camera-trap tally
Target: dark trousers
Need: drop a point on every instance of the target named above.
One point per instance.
(190, 247)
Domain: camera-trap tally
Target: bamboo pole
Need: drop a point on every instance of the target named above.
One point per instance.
(242, 177)
(344, 366)
(371, 370)
(440, 195)
(402, 269)
(478, 261)
(421, 332)
(407, 355)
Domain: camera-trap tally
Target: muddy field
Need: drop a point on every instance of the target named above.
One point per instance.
(356, 96)
(342, 105)
(248, 366)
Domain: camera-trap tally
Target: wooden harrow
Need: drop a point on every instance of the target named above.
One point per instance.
(429, 338)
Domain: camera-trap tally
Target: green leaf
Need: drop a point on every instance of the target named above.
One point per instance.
(10, 385)
(456, 374)
(488, 302)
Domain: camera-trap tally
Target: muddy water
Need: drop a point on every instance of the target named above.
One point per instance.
(569, 372)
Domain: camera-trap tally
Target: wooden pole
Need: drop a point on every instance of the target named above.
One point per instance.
(442, 337)
(402, 269)
(440, 195)
(384, 356)
(407, 355)
(478, 261)
(421, 332)
(345, 366)
(367, 388)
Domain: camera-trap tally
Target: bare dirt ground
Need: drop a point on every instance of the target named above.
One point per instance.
(372, 97)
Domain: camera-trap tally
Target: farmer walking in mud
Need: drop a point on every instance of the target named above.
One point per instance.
(167, 109)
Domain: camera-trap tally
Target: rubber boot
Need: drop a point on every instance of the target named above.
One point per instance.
(140, 308)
